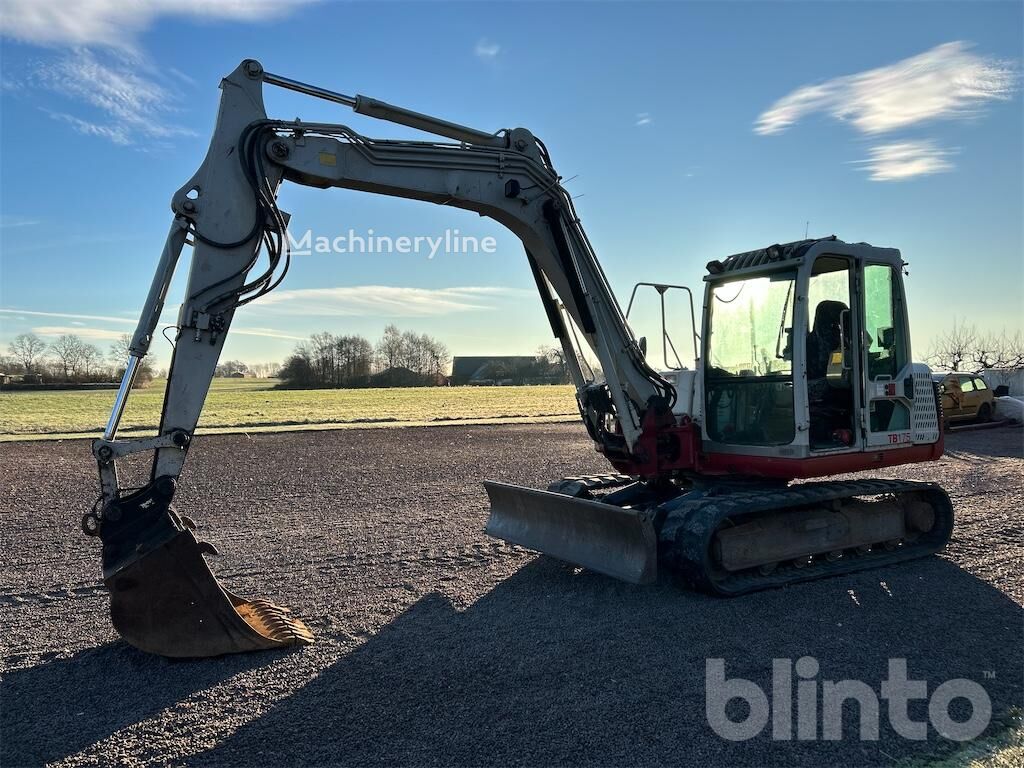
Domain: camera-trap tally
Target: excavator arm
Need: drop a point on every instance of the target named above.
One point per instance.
(164, 597)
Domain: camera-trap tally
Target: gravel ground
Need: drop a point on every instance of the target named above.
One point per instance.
(439, 646)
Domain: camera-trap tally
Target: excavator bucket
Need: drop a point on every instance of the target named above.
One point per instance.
(164, 599)
(612, 540)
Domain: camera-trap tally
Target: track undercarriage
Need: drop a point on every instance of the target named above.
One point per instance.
(728, 538)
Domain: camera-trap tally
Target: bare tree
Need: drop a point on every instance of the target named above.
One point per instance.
(952, 350)
(91, 359)
(327, 360)
(231, 367)
(389, 348)
(1013, 351)
(26, 349)
(965, 349)
(119, 352)
(422, 354)
(354, 357)
(414, 353)
(438, 357)
(324, 354)
(68, 350)
(998, 351)
(553, 356)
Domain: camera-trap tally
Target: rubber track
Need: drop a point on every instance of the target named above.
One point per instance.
(686, 533)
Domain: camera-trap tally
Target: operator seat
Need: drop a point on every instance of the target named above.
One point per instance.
(830, 409)
(824, 338)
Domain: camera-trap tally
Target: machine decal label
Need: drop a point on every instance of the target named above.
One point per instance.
(899, 437)
(885, 389)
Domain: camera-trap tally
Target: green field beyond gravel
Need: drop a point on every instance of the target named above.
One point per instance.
(252, 403)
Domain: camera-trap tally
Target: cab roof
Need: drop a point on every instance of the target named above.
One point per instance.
(779, 253)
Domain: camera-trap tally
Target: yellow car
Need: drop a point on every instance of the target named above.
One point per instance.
(965, 397)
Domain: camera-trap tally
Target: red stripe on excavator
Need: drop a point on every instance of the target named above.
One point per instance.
(816, 466)
(688, 455)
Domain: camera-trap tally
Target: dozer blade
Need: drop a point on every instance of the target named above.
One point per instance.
(612, 540)
(164, 599)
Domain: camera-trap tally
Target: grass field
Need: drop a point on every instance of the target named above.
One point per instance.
(252, 403)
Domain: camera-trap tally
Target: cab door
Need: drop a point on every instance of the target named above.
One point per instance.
(885, 357)
(832, 362)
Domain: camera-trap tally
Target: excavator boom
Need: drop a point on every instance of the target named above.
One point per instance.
(164, 597)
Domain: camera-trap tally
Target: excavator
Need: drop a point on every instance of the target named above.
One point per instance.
(802, 369)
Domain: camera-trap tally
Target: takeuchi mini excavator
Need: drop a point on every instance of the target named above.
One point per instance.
(802, 370)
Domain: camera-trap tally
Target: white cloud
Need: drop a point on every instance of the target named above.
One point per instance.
(8, 221)
(130, 101)
(116, 23)
(181, 76)
(85, 333)
(906, 159)
(269, 333)
(643, 118)
(67, 316)
(486, 49)
(948, 81)
(116, 134)
(130, 105)
(128, 323)
(382, 300)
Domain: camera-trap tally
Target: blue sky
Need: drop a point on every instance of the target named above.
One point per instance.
(690, 131)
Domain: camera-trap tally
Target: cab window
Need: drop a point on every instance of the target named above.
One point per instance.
(830, 391)
(979, 384)
(883, 314)
(749, 375)
(966, 385)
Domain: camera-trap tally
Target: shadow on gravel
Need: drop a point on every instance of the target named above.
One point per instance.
(60, 707)
(553, 667)
(997, 443)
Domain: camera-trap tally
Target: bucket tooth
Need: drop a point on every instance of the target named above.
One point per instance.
(612, 540)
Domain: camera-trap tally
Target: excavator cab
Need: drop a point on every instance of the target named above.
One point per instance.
(803, 371)
(807, 355)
